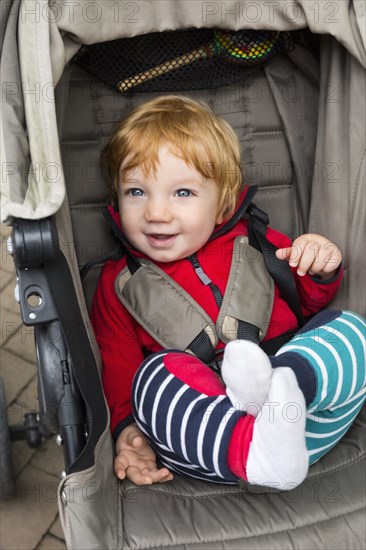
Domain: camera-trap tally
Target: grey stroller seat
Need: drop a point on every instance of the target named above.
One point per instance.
(302, 128)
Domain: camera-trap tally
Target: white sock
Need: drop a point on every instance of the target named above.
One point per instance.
(246, 372)
(277, 455)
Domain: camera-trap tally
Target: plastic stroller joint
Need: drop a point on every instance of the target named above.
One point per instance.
(35, 299)
(32, 244)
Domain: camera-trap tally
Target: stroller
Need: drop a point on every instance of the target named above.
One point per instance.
(70, 70)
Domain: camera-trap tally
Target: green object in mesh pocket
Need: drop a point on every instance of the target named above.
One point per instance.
(181, 60)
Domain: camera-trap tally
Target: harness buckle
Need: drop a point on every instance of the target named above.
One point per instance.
(258, 214)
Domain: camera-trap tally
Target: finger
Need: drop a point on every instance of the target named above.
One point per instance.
(160, 475)
(156, 475)
(122, 462)
(283, 253)
(139, 477)
(317, 266)
(134, 438)
(331, 257)
(137, 441)
(297, 250)
(147, 476)
(121, 474)
(309, 260)
(119, 468)
(168, 477)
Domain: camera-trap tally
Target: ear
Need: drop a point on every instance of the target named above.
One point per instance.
(219, 218)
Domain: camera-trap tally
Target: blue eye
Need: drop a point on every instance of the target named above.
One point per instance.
(184, 193)
(135, 192)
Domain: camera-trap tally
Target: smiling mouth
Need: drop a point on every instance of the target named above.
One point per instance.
(161, 236)
(160, 239)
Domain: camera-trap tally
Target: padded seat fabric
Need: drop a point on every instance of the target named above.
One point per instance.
(326, 511)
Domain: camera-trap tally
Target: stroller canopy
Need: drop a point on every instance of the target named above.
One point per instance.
(41, 36)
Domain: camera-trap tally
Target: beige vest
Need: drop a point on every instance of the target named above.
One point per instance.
(170, 315)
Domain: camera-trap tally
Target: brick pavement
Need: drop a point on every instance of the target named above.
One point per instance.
(29, 520)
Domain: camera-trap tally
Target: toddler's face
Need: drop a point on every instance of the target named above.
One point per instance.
(170, 214)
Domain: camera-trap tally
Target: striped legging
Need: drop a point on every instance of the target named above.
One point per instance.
(182, 407)
(336, 352)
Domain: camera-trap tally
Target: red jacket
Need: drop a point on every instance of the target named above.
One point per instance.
(124, 343)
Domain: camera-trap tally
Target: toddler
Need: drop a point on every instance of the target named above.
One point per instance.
(188, 387)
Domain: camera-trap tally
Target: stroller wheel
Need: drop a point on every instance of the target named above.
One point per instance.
(6, 460)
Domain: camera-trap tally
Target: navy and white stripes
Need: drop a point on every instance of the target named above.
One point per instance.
(190, 431)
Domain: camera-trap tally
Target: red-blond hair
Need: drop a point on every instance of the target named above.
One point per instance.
(192, 131)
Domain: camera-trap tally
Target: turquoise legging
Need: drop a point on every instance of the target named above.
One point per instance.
(336, 352)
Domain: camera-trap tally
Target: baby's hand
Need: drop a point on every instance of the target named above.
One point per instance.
(136, 460)
(312, 254)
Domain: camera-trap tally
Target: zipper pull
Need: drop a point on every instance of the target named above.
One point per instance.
(205, 279)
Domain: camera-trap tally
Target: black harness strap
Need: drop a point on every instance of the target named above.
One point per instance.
(115, 255)
(202, 348)
(238, 215)
(279, 270)
(271, 347)
(133, 263)
(247, 331)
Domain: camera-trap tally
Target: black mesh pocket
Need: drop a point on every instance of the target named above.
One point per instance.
(180, 60)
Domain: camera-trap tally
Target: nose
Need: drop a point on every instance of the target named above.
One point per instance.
(158, 210)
